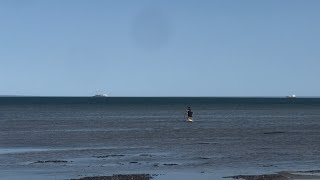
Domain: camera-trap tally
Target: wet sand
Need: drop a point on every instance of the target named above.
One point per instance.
(119, 177)
(313, 174)
(284, 175)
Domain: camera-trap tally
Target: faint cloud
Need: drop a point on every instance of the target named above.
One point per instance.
(151, 29)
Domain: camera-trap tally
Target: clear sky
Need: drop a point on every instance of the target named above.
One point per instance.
(160, 48)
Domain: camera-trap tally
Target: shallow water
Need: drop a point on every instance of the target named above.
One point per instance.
(114, 136)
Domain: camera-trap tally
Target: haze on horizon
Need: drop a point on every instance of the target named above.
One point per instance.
(159, 48)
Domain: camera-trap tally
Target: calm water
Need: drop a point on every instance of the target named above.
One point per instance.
(98, 136)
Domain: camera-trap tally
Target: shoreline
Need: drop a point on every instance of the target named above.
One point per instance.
(283, 175)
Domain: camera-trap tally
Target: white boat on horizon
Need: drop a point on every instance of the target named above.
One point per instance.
(292, 96)
(101, 95)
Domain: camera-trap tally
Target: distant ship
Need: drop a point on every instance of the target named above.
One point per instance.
(292, 96)
(101, 95)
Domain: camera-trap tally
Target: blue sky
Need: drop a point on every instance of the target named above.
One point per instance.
(160, 48)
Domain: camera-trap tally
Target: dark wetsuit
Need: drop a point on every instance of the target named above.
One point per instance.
(189, 112)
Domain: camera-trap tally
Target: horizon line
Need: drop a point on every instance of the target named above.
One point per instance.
(162, 96)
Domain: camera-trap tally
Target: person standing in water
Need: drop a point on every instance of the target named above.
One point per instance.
(189, 114)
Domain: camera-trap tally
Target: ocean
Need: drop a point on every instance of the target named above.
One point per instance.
(71, 137)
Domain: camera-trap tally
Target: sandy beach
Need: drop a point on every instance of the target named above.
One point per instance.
(295, 175)
(302, 175)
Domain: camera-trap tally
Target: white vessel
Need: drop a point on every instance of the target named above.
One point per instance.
(292, 96)
(101, 95)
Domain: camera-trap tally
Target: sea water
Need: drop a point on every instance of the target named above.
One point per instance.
(83, 136)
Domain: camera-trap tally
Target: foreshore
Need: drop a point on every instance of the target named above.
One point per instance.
(284, 175)
(119, 177)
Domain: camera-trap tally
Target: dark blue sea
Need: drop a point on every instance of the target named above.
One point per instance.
(71, 137)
